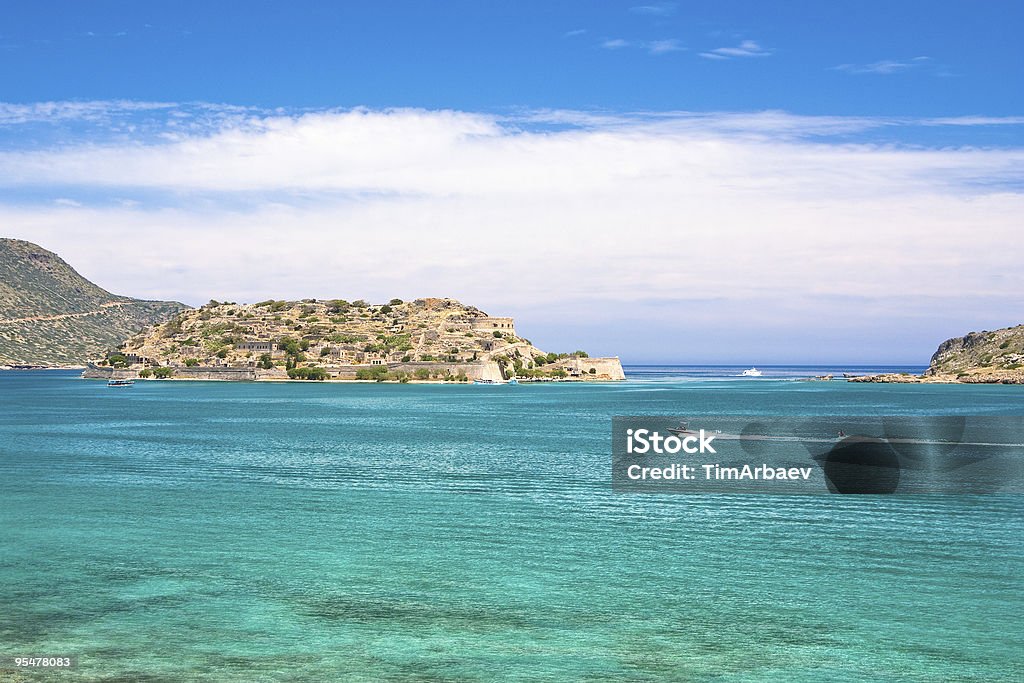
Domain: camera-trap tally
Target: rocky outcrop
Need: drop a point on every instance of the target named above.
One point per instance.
(995, 357)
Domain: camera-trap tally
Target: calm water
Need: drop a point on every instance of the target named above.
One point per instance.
(248, 532)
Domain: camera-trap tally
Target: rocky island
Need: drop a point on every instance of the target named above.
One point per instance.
(422, 340)
(995, 357)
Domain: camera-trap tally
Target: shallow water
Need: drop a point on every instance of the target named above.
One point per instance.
(185, 530)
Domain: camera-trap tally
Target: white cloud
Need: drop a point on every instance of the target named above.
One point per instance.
(615, 44)
(654, 47)
(606, 209)
(658, 47)
(884, 67)
(89, 110)
(658, 9)
(574, 33)
(748, 48)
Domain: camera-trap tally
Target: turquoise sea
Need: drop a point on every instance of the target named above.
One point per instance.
(184, 531)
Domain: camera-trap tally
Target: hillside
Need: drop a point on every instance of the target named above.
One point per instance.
(335, 339)
(51, 315)
(995, 357)
(981, 356)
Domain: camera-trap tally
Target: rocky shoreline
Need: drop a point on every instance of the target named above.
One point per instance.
(994, 378)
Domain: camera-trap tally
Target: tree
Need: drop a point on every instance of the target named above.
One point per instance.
(163, 372)
(288, 345)
(266, 362)
(374, 372)
(318, 374)
(191, 362)
(396, 302)
(385, 309)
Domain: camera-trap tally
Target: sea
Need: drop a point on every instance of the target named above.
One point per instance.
(193, 531)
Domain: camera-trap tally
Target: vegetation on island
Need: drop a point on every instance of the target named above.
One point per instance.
(310, 339)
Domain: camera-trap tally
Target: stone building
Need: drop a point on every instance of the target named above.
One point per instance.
(492, 324)
(256, 346)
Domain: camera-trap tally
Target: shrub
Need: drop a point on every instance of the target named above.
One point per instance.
(325, 352)
(406, 359)
(338, 305)
(192, 362)
(385, 309)
(145, 372)
(318, 374)
(422, 373)
(497, 335)
(172, 327)
(163, 372)
(592, 371)
(374, 372)
(581, 354)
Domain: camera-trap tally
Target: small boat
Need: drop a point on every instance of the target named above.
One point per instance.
(513, 381)
(486, 381)
(752, 372)
(120, 382)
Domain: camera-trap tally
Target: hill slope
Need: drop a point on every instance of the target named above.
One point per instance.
(995, 357)
(51, 315)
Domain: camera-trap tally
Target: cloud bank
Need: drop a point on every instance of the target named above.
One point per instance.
(763, 229)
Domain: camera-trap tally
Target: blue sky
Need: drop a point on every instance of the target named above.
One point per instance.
(854, 58)
(798, 181)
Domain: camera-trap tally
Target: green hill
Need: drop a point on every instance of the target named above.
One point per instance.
(51, 315)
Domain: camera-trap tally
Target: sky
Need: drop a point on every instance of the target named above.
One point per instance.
(690, 182)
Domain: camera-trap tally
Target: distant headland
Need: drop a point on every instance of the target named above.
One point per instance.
(423, 340)
(987, 357)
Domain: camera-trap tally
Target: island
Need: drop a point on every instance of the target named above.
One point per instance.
(987, 357)
(426, 340)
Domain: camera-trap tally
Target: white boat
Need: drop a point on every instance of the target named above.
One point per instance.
(752, 372)
(120, 382)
